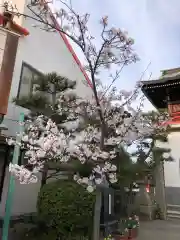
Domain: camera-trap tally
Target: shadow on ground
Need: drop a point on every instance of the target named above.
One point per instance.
(157, 230)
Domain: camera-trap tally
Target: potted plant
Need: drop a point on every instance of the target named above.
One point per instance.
(133, 226)
(133, 233)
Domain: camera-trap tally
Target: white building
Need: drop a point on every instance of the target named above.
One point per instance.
(40, 51)
(164, 93)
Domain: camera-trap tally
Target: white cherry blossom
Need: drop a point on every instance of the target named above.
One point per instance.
(95, 128)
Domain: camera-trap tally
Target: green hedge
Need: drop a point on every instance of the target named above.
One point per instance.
(66, 208)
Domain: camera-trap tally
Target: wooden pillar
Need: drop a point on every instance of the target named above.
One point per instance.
(7, 68)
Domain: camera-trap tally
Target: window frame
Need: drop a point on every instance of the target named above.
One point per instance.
(31, 68)
(3, 170)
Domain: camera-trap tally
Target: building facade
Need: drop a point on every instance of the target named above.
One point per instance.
(163, 93)
(37, 51)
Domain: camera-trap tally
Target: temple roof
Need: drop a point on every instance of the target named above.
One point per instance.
(168, 85)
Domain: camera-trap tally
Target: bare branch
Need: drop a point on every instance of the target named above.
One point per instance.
(113, 81)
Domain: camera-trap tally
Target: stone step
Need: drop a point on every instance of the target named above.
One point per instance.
(170, 216)
(173, 207)
(173, 211)
(173, 214)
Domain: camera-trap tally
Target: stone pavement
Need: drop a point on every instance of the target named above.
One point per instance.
(157, 230)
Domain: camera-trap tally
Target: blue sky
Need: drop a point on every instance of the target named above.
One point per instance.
(154, 24)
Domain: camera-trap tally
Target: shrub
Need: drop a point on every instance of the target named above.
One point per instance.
(67, 208)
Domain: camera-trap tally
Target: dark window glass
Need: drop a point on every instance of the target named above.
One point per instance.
(28, 75)
(21, 159)
(3, 161)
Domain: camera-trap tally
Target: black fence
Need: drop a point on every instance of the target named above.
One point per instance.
(116, 207)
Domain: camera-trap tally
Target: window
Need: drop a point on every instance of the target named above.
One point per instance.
(3, 160)
(28, 75)
(21, 159)
(6, 156)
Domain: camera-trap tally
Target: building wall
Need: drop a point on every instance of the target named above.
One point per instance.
(46, 52)
(172, 170)
(24, 197)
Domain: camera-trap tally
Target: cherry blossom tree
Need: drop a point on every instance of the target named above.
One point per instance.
(141, 160)
(98, 125)
(113, 120)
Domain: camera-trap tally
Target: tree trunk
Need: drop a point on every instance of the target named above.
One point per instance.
(53, 96)
(45, 169)
(44, 175)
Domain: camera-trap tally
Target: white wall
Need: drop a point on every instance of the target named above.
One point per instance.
(46, 52)
(24, 197)
(172, 169)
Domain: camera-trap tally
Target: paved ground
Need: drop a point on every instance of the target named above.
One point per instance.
(157, 230)
(10, 237)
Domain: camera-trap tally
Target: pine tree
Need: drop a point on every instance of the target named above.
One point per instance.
(45, 96)
(44, 100)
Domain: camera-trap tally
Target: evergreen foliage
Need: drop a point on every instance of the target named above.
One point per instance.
(44, 100)
(67, 208)
(45, 96)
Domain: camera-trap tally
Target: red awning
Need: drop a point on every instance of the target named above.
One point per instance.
(15, 27)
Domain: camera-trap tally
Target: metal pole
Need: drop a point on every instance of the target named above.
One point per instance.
(1, 118)
(97, 215)
(11, 185)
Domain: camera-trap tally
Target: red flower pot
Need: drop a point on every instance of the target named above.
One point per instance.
(133, 233)
(120, 237)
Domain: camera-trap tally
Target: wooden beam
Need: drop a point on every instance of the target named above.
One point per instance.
(6, 71)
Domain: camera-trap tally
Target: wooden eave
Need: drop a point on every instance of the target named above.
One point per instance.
(162, 82)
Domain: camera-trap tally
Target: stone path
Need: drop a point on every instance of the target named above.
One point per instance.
(157, 230)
